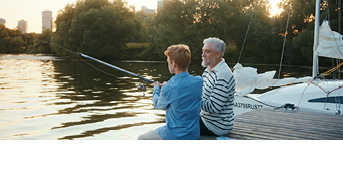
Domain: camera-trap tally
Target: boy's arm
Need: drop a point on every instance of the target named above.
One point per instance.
(159, 99)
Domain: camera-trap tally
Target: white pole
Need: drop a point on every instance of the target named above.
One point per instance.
(316, 40)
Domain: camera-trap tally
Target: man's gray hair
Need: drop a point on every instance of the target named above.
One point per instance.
(218, 44)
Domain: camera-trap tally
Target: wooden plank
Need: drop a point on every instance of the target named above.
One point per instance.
(289, 125)
(296, 120)
(285, 133)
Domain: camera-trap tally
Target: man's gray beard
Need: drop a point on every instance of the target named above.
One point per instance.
(209, 62)
(203, 64)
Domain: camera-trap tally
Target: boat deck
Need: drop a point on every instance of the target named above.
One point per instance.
(285, 125)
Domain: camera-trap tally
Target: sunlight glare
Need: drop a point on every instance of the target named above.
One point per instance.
(274, 9)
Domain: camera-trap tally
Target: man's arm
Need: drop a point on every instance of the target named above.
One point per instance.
(218, 96)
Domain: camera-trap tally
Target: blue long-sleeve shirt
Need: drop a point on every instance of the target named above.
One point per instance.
(181, 97)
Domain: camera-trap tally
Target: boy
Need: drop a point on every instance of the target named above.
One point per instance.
(180, 96)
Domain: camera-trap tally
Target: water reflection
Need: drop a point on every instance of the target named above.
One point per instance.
(44, 97)
(49, 98)
(106, 129)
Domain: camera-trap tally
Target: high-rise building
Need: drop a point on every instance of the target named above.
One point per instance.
(46, 20)
(147, 10)
(159, 5)
(22, 25)
(3, 21)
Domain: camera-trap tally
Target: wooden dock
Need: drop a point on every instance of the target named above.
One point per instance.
(285, 125)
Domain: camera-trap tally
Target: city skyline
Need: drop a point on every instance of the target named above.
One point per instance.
(22, 26)
(47, 20)
(13, 11)
(31, 11)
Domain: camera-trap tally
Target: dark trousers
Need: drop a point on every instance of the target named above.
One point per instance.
(204, 130)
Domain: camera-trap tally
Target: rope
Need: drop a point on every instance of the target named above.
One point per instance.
(338, 103)
(246, 35)
(275, 107)
(302, 94)
(284, 41)
(322, 75)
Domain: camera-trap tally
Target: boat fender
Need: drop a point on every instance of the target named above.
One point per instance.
(338, 112)
(288, 105)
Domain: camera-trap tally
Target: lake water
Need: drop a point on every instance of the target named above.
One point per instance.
(46, 97)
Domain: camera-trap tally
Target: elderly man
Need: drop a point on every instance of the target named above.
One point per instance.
(216, 116)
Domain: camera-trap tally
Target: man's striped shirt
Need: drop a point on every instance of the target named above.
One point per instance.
(217, 99)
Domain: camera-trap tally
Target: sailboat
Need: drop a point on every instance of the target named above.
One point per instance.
(307, 94)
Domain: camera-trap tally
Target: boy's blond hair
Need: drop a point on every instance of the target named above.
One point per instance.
(181, 54)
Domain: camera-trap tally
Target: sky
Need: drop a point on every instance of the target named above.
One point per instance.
(31, 10)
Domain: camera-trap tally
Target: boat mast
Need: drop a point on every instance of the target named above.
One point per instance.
(316, 37)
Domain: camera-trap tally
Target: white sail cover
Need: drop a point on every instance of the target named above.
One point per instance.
(247, 80)
(330, 42)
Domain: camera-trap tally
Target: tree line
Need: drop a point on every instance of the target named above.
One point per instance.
(112, 30)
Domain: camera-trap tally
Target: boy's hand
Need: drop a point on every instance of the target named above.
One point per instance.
(159, 84)
(156, 83)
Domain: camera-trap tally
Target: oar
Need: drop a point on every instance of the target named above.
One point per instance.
(115, 67)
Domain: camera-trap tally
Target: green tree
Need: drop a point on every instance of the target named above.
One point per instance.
(191, 21)
(15, 45)
(299, 48)
(299, 43)
(3, 38)
(41, 43)
(11, 41)
(264, 40)
(99, 28)
(144, 35)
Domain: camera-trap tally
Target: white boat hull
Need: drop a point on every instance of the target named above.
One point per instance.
(318, 96)
(247, 103)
